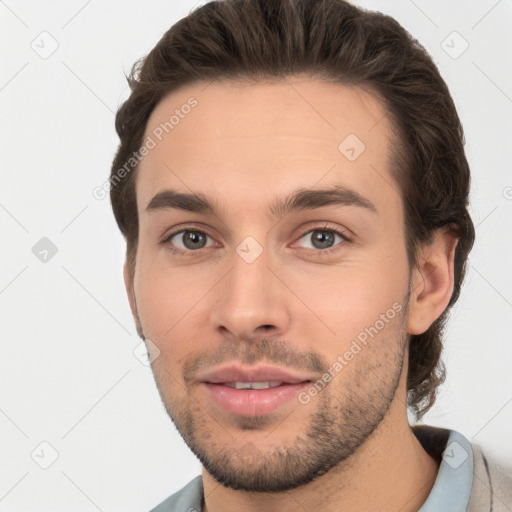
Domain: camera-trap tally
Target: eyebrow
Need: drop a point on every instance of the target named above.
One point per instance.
(299, 200)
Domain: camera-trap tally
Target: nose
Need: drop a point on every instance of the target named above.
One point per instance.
(251, 301)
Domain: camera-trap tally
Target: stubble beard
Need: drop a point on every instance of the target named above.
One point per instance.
(343, 416)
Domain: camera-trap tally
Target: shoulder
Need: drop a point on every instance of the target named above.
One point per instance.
(492, 483)
(187, 499)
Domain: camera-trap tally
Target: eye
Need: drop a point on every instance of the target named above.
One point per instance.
(189, 240)
(321, 239)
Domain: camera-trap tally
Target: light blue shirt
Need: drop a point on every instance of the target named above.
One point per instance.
(451, 490)
(454, 481)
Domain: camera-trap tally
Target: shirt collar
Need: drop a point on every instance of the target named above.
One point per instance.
(452, 487)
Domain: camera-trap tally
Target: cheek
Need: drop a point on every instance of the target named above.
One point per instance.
(345, 300)
(171, 305)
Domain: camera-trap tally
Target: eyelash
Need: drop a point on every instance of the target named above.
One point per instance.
(322, 252)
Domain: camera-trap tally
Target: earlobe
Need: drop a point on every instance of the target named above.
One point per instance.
(432, 281)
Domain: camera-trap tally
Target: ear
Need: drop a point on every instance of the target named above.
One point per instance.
(128, 283)
(432, 280)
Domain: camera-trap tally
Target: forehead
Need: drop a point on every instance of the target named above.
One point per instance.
(232, 140)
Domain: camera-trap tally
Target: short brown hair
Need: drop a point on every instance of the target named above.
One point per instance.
(272, 39)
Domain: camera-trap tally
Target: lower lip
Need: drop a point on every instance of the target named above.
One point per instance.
(253, 402)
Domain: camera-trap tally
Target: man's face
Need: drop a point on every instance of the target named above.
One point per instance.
(302, 287)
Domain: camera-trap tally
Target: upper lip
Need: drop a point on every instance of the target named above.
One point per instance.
(238, 373)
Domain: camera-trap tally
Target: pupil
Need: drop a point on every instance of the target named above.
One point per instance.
(194, 239)
(322, 239)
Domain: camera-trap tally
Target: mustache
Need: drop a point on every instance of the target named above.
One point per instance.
(248, 352)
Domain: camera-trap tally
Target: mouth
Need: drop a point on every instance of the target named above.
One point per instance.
(253, 390)
(256, 385)
(253, 398)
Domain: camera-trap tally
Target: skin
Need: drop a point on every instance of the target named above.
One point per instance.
(351, 447)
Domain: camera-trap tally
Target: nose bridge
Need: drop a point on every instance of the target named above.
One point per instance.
(249, 296)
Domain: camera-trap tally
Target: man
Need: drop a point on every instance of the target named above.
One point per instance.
(292, 185)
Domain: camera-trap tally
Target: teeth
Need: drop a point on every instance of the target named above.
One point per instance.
(252, 385)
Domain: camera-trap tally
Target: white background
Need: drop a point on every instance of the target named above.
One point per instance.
(68, 375)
